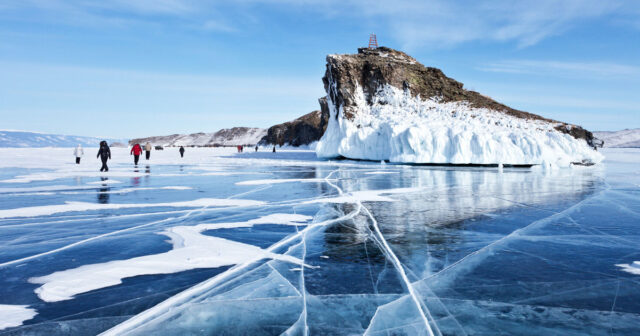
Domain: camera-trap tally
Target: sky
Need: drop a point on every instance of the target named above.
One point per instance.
(134, 68)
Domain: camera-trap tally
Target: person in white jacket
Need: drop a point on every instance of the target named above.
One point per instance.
(147, 149)
(78, 152)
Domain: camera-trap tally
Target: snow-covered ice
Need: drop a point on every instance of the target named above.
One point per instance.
(14, 315)
(191, 249)
(284, 243)
(44, 210)
(633, 268)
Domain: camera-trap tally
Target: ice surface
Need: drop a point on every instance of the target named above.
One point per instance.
(380, 173)
(45, 189)
(191, 249)
(272, 181)
(129, 190)
(389, 249)
(365, 196)
(400, 128)
(83, 206)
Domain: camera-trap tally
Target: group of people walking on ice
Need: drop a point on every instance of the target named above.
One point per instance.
(136, 150)
(241, 148)
(104, 153)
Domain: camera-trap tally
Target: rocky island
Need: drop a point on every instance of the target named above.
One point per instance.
(382, 104)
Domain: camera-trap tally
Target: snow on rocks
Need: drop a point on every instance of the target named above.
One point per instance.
(384, 105)
(398, 127)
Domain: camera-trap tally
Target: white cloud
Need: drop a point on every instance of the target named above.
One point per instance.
(172, 7)
(219, 26)
(439, 23)
(564, 69)
(144, 7)
(413, 23)
(526, 22)
(113, 13)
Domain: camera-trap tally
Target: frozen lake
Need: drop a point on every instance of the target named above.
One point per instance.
(221, 243)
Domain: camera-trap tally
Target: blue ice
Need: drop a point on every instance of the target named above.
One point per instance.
(324, 248)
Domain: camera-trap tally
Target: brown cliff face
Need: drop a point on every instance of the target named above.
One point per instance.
(373, 68)
(302, 131)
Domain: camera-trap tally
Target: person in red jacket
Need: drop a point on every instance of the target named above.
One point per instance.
(136, 150)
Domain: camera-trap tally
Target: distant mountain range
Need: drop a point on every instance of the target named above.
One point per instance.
(628, 138)
(299, 132)
(9, 138)
(224, 137)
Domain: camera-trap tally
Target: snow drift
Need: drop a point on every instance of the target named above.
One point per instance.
(384, 105)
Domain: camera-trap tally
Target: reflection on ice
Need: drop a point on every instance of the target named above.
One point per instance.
(273, 181)
(105, 181)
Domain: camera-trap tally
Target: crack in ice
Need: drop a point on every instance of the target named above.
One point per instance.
(513, 235)
(394, 260)
(165, 306)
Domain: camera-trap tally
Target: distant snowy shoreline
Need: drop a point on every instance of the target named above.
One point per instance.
(28, 139)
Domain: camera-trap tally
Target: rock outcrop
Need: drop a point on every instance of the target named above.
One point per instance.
(303, 131)
(385, 105)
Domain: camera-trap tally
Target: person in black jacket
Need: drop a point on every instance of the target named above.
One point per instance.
(181, 150)
(104, 154)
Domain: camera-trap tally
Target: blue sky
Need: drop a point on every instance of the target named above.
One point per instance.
(129, 68)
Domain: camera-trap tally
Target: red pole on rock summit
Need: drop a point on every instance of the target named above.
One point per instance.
(373, 41)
